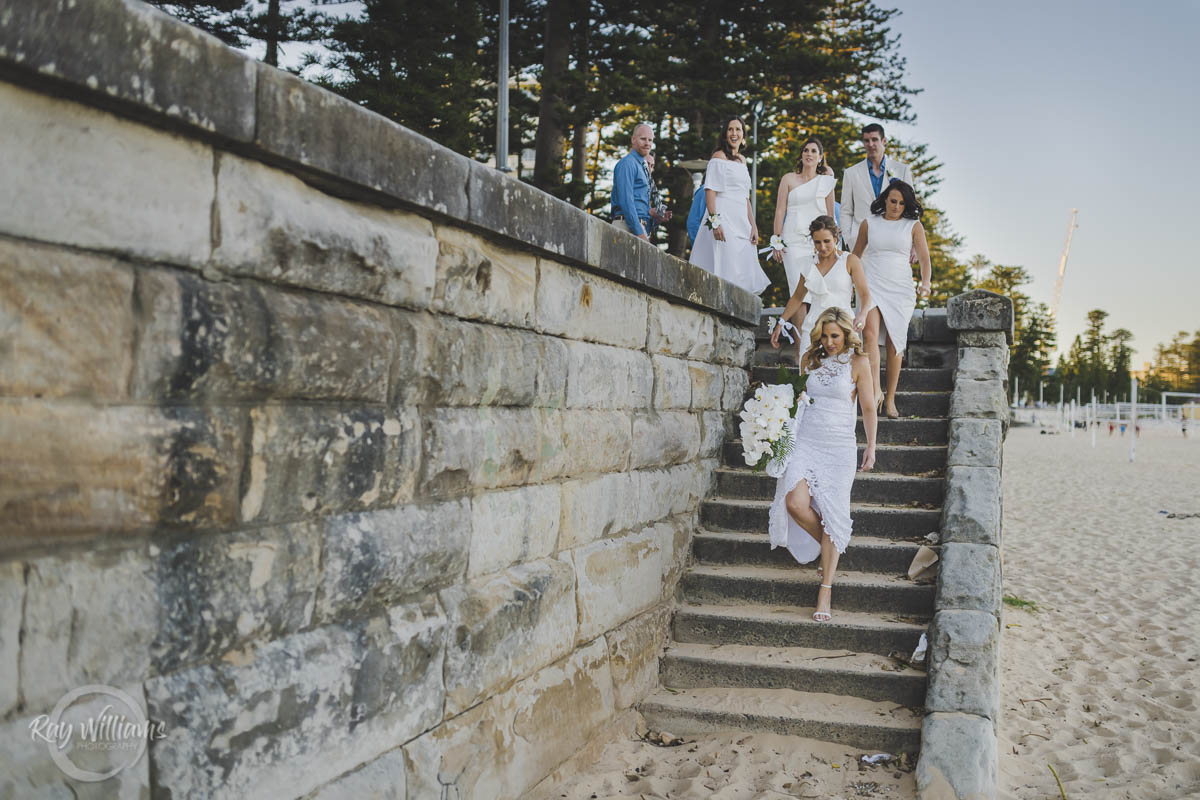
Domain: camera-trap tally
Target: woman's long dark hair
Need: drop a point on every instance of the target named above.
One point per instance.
(912, 209)
(723, 143)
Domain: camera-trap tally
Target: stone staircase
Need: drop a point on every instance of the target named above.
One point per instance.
(745, 651)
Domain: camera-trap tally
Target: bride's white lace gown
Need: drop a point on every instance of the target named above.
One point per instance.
(825, 455)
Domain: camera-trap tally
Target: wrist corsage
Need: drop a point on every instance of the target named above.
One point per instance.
(777, 244)
(713, 221)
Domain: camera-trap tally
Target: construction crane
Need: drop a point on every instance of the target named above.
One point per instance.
(1062, 264)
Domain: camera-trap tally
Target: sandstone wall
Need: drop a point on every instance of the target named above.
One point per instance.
(368, 469)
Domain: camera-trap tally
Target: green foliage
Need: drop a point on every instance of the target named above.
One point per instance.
(1176, 364)
(1013, 601)
(241, 23)
(1034, 335)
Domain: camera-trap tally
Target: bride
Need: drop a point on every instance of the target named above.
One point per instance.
(804, 195)
(811, 511)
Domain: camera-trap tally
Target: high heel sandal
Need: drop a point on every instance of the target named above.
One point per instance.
(824, 616)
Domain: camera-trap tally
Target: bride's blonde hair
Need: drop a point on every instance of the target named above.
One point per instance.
(816, 351)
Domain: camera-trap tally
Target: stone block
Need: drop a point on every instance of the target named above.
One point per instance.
(12, 600)
(511, 526)
(599, 376)
(633, 654)
(119, 50)
(483, 448)
(289, 717)
(708, 385)
(963, 663)
(937, 327)
(214, 341)
(313, 460)
(916, 326)
(504, 746)
(477, 279)
(931, 356)
(665, 492)
(597, 508)
(90, 617)
(982, 364)
(578, 305)
(663, 438)
(472, 364)
(685, 332)
(673, 382)
(593, 441)
(80, 469)
(81, 177)
(981, 310)
(340, 141)
(66, 323)
(971, 510)
(505, 627)
(381, 779)
(222, 591)
(975, 442)
(734, 344)
(737, 383)
(715, 427)
(616, 252)
(637, 562)
(502, 203)
(985, 399)
(982, 339)
(959, 760)
(276, 228)
(969, 578)
(376, 559)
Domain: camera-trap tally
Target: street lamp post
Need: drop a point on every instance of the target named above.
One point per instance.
(502, 93)
(756, 109)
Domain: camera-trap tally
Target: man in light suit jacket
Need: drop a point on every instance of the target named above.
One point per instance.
(863, 182)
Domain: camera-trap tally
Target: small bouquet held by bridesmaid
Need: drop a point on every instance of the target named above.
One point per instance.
(769, 421)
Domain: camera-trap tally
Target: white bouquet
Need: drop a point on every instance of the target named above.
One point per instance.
(769, 421)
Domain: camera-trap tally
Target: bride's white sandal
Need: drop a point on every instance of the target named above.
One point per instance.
(824, 616)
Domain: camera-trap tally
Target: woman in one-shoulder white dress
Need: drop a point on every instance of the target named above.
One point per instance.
(885, 241)
(810, 514)
(730, 249)
(804, 195)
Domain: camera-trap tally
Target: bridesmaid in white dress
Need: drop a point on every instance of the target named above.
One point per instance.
(804, 195)
(885, 241)
(729, 248)
(831, 275)
(811, 511)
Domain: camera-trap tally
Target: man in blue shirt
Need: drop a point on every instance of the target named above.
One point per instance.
(631, 185)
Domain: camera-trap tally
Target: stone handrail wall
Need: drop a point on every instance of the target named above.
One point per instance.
(359, 463)
(958, 737)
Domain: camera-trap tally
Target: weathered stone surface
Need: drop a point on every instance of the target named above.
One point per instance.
(971, 510)
(485, 448)
(637, 562)
(506, 626)
(276, 228)
(213, 341)
(916, 325)
(66, 323)
(666, 492)
(12, 600)
(512, 526)
(222, 591)
(617, 252)
(597, 508)
(274, 721)
(81, 177)
(599, 376)
(931, 356)
(592, 441)
(123, 50)
(477, 279)
(737, 381)
(472, 364)
(79, 469)
(337, 138)
(936, 327)
(975, 442)
(734, 344)
(375, 559)
(504, 204)
(311, 460)
(958, 758)
(982, 364)
(633, 654)
(672, 383)
(969, 578)
(986, 399)
(575, 304)
(963, 659)
(505, 745)
(982, 339)
(981, 310)
(88, 618)
(681, 331)
(662, 438)
(714, 427)
(708, 385)
(381, 779)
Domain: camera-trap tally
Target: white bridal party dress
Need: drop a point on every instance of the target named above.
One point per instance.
(805, 203)
(735, 259)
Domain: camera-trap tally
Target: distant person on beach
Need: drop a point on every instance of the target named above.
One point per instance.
(1183, 425)
(631, 185)
(863, 182)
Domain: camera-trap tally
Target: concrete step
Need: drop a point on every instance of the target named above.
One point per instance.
(906, 431)
(793, 626)
(911, 379)
(853, 591)
(884, 522)
(689, 665)
(899, 458)
(864, 554)
(865, 724)
(869, 487)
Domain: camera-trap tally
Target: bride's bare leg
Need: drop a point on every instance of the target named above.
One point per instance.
(799, 508)
(829, 562)
(871, 344)
(894, 360)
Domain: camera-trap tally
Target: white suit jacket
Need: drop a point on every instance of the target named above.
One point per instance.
(858, 194)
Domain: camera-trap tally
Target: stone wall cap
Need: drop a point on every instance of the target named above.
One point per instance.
(981, 310)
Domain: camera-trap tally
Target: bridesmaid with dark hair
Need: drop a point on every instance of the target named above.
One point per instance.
(727, 243)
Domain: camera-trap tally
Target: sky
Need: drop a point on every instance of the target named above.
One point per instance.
(1040, 107)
